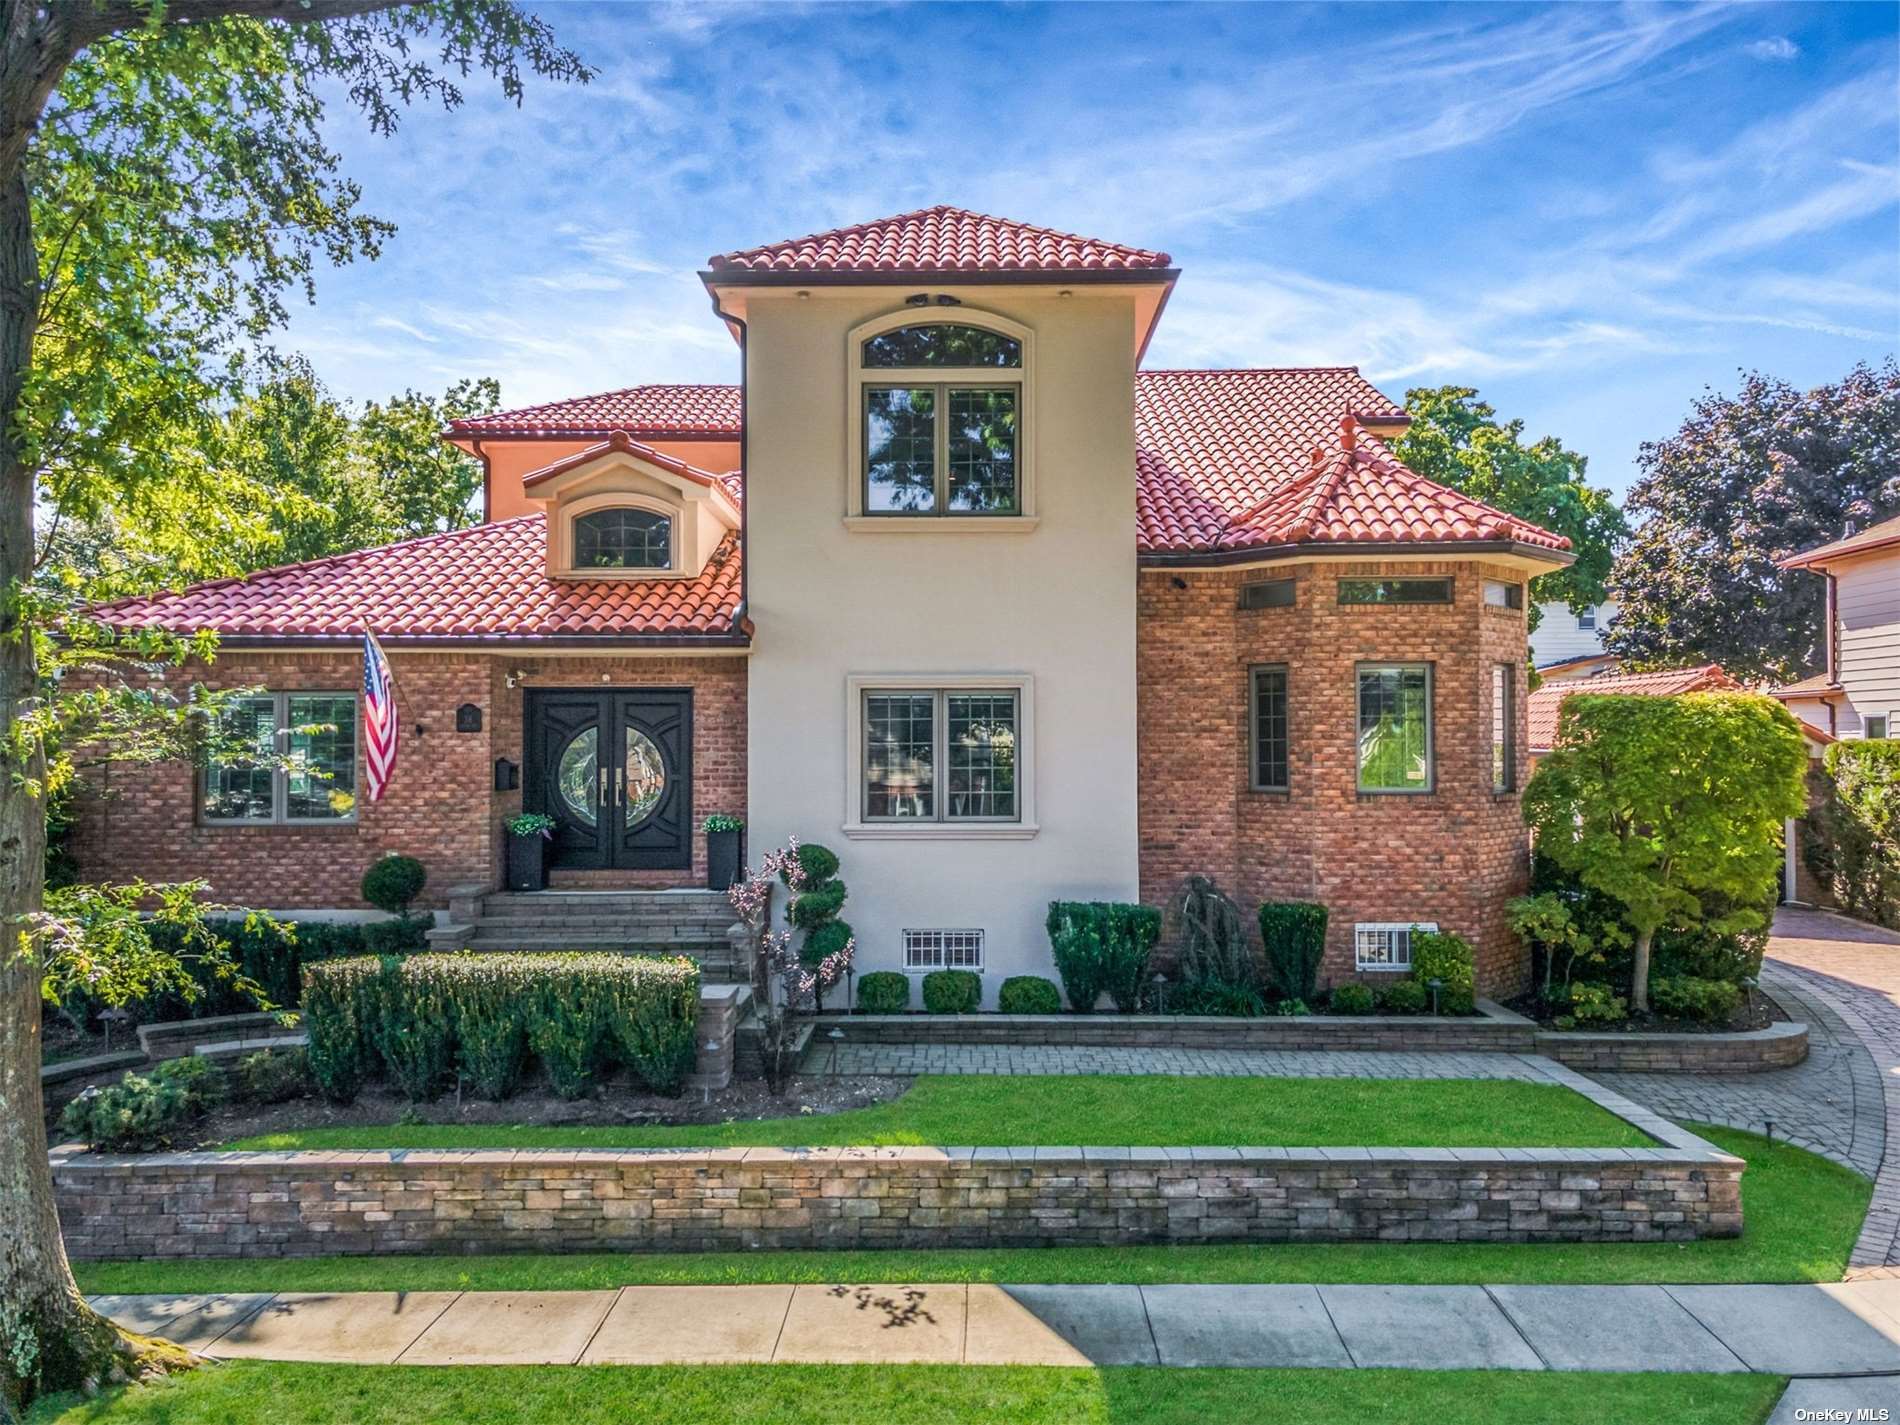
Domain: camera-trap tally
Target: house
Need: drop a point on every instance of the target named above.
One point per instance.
(1857, 692)
(1568, 643)
(1547, 702)
(948, 583)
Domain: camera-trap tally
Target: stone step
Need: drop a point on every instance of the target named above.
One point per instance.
(609, 900)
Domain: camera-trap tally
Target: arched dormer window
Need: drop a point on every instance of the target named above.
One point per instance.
(623, 537)
(938, 429)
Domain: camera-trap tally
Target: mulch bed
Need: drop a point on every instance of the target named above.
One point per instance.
(617, 1106)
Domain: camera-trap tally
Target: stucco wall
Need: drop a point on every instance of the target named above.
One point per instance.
(1055, 603)
(509, 460)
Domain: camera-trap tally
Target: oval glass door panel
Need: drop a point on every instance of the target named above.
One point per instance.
(577, 775)
(646, 776)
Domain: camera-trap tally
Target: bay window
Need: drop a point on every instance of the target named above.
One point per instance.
(283, 758)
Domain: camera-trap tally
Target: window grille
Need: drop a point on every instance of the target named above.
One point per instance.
(943, 950)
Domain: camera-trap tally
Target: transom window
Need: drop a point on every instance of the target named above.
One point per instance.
(1270, 728)
(949, 446)
(941, 755)
(1395, 727)
(1395, 591)
(284, 758)
(623, 538)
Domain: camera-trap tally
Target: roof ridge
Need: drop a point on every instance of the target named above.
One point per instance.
(296, 566)
(1235, 370)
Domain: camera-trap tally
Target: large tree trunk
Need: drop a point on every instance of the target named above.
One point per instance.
(1639, 972)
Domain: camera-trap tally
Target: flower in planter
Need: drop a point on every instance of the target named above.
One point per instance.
(719, 822)
(529, 823)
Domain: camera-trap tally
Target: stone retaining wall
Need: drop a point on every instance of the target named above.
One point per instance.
(1780, 1046)
(342, 1203)
(1472, 1034)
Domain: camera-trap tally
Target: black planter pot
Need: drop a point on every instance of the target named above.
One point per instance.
(528, 862)
(722, 858)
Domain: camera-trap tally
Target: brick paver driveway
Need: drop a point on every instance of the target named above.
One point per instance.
(1853, 969)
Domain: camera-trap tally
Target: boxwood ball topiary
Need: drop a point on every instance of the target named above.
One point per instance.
(818, 863)
(818, 905)
(884, 992)
(393, 882)
(825, 940)
(1029, 994)
(953, 991)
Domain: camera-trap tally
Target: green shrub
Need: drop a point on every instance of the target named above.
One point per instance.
(1855, 846)
(393, 882)
(1442, 956)
(818, 905)
(1289, 1008)
(1029, 994)
(1402, 997)
(884, 992)
(817, 863)
(1350, 998)
(1687, 997)
(953, 991)
(579, 1014)
(147, 1109)
(1212, 935)
(339, 1015)
(1215, 998)
(1294, 934)
(824, 941)
(1592, 1003)
(271, 1076)
(1103, 947)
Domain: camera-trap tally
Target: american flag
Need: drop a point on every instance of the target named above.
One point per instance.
(379, 718)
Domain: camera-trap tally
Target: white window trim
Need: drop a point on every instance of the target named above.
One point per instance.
(858, 376)
(1388, 926)
(571, 510)
(982, 949)
(857, 828)
(280, 779)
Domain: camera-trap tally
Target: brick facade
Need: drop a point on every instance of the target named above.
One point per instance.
(1454, 855)
(143, 820)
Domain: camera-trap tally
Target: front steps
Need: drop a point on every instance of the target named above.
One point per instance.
(691, 922)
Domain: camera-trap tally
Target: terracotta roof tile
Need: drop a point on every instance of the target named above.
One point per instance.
(940, 239)
(640, 411)
(487, 582)
(1240, 460)
(1544, 704)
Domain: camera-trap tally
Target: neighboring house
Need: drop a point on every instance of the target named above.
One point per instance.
(1547, 702)
(945, 583)
(1568, 644)
(1857, 692)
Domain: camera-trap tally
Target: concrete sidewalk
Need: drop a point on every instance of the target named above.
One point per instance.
(1849, 1329)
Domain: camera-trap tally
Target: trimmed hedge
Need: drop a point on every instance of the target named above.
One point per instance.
(1028, 994)
(1294, 934)
(1102, 947)
(1350, 998)
(421, 1022)
(1447, 958)
(884, 992)
(953, 991)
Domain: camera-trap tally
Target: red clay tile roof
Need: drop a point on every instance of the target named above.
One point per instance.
(487, 582)
(1877, 536)
(1226, 463)
(652, 412)
(940, 239)
(1544, 704)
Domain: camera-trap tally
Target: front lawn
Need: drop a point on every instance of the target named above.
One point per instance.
(1802, 1212)
(1136, 1110)
(251, 1393)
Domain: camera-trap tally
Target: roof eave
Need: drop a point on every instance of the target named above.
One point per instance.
(242, 642)
(1833, 553)
(952, 276)
(1415, 549)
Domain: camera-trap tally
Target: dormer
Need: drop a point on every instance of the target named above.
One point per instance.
(623, 510)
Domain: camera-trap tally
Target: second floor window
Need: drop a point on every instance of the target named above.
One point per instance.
(623, 538)
(942, 421)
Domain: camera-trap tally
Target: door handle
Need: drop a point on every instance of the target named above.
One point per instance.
(620, 786)
(601, 799)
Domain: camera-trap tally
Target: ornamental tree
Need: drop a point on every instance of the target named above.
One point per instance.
(1672, 807)
(164, 187)
(1748, 480)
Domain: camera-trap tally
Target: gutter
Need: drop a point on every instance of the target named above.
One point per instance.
(1274, 553)
(617, 642)
(741, 616)
(942, 277)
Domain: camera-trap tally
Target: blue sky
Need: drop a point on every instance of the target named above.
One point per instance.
(1590, 212)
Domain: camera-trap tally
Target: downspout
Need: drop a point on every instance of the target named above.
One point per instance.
(745, 465)
(1833, 607)
(488, 483)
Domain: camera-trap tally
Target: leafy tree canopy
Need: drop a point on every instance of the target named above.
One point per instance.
(1750, 479)
(1457, 440)
(1673, 807)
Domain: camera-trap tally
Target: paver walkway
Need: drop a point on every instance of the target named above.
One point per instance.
(1854, 970)
(1849, 1329)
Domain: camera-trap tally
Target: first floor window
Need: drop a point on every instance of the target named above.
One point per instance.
(1503, 727)
(284, 757)
(1875, 728)
(1385, 945)
(941, 755)
(1395, 727)
(1270, 729)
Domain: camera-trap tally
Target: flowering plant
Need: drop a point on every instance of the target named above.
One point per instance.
(529, 823)
(782, 983)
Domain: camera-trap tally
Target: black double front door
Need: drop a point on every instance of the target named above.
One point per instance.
(614, 768)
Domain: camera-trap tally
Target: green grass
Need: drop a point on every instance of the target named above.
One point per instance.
(1802, 1213)
(254, 1393)
(1095, 1110)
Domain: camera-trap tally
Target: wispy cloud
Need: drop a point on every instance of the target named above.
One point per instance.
(1777, 49)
